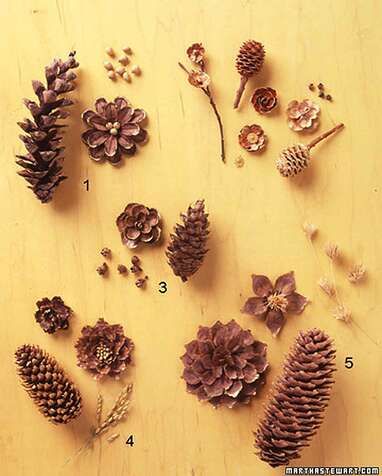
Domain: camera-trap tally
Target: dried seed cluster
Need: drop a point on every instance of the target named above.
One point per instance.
(121, 69)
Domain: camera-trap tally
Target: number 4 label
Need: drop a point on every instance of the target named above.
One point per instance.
(130, 440)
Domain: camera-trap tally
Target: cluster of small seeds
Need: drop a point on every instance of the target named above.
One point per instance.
(321, 91)
(123, 61)
(135, 268)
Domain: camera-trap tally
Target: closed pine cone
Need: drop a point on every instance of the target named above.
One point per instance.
(250, 58)
(42, 164)
(299, 398)
(46, 383)
(187, 248)
(293, 160)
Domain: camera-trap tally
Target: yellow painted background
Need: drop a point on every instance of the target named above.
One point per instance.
(255, 218)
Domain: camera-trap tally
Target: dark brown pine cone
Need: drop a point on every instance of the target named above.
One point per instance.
(224, 365)
(103, 350)
(42, 165)
(299, 399)
(46, 383)
(139, 224)
(53, 314)
(188, 244)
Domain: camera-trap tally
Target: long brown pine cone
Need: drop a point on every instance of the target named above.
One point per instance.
(299, 399)
(46, 383)
(42, 165)
(188, 244)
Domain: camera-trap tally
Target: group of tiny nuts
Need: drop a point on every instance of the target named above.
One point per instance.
(122, 269)
(123, 60)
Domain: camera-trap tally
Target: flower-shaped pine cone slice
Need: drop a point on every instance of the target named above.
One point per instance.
(137, 224)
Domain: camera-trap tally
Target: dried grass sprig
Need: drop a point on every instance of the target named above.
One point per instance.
(310, 230)
(332, 251)
(327, 286)
(356, 273)
(342, 313)
(99, 409)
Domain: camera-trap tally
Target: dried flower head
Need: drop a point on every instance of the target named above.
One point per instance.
(196, 53)
(264, 100)
(342, 313)
(272, 302)
(302, 115)
(252, 138)
(122, 269)
(199, 79)
(103, 349)
(356, 273)
(327, 286)
(332, 251)
(310, 230)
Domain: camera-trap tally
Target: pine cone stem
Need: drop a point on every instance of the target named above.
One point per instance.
(325, 135)
(239, 92)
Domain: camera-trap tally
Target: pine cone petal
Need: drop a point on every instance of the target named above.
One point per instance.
(42, 165)
(299, 399)
(188, 245)
(46, 383)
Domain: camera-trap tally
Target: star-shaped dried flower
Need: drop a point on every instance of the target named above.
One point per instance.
(342, 313)
(356, 273)
(199, 79)
(273, 302)
(196, 53)
(332, 251)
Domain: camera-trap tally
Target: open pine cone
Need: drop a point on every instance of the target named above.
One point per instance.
(46, 383)
(188, 244)
(52, 314)
(299, 399)
(224, 364)
(42, 165)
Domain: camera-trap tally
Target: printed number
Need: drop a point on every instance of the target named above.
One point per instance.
(86, 182)
(163, 287)
(130, 440)
(349, 362)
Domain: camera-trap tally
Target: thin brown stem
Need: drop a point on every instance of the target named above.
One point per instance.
(324, 135)
(239, 92)
(208, 93)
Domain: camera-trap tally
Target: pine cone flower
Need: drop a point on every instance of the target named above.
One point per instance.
(249, 61)
(104, 350)
(188, 244)
(42, 165)
(199, 79)
(273, 302)
(46, 383)
(115, 128)
(299, 398)
(303, 115)
(53, 314)
(264, 100)
(196, 53)
(224, 365)
(252, 138)
(296, 159)
(139, 224)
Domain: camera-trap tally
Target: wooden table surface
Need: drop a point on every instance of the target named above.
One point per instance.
(255, 216)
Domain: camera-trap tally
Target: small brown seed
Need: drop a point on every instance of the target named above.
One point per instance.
(320, 86)
(311, 87)
(103, 269)
(136, 70)
(329, 97)
(126, 77)
(112, 75)
(135, 260)
(123, 60)
(106, 253)
(110, 51)
(122, 269)
(127, 50)
(107, 65)
(321, 95)
(141, 282)
(121, 71)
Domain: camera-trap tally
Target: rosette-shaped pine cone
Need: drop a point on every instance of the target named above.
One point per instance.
(139, 224)
(46, 383)
(224, 365)
(264, 100)
(115, 128)
(296, 158)
(103, 350)
(188, 244)
(42, 165)
(299, 399)
(53, 314)
(252, 138)
(249, 61)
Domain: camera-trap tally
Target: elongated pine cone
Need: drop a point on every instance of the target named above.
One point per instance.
(188, 244)
(224, 365)
(293, 160)
(250, 58)
(46, 383)
(299, 399)
(42, 165)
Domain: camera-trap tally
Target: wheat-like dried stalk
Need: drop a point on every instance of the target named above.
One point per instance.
(99, 408)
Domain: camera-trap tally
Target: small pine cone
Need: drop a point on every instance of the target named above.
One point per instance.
(250, 58)
(52, 314)
(187, 248)
(293, 160)
(299, 398)
(42, 165)
(46, 383)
